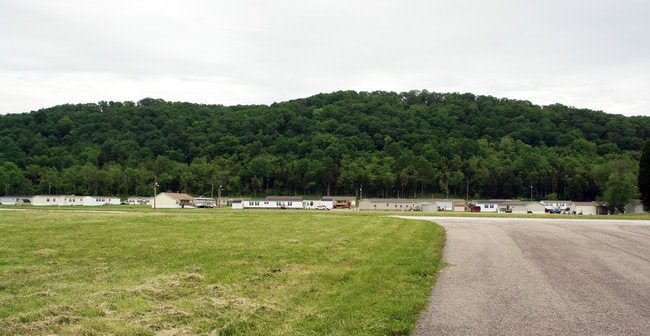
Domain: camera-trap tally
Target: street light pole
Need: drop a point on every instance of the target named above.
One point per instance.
(531, 192)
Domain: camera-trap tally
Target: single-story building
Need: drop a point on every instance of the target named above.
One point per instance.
(273, 202)
(634, 207)
(237, 203)
(138, 200)
(391, 204)
(205, 202)
(584, 208)
(521, 207)
(342, 201)
(15, 200)
(57, 200)
(429, 207)
(99, 200)
(456, 205)
(551, 205)
(312, 203)
(490, 206)
(172, 201)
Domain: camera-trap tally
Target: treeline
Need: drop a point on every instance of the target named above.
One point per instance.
(380, 144)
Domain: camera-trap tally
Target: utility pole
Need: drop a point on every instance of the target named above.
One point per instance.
(531, 192)
(219, 196)
(154, 191)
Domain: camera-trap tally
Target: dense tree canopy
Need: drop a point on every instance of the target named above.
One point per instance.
(387, 144)
(643, 180)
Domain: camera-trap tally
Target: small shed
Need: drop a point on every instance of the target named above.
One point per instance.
(237, 203)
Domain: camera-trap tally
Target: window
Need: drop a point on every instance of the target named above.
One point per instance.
(289, 203)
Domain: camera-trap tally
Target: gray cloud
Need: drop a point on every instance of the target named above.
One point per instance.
(584, 54)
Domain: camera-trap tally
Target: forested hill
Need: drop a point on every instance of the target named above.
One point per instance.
(412, 144)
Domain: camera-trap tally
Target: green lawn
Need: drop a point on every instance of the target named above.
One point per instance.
(213, 272)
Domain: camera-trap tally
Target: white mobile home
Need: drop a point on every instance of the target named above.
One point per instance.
(456, 205)
(56, 200)
(584, 208)
(312, 203)
(205, 202)
(100, 200)
(490, 206)
(11, 200)
(391, 204)
(557, 205)
(521, 207)
(274, 202)
(343, 201)
(138, 200)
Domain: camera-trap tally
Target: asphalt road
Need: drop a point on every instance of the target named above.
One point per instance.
(541, 277)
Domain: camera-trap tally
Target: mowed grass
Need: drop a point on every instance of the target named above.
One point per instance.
(213, 272)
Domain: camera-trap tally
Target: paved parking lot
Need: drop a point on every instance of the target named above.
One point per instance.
(541, 277)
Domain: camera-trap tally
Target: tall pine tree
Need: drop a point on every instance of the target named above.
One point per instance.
(644, 176)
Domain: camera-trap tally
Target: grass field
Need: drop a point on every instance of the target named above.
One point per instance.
(213, 272)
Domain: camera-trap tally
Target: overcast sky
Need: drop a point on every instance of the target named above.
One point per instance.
(588, 54)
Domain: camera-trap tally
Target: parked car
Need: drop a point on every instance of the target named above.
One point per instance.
(346, 207)
(321, 207)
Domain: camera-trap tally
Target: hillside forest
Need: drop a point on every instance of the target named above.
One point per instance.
(413, 144)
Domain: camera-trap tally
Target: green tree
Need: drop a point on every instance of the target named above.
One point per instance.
(620, 189)
(12, 179)
(643, 181)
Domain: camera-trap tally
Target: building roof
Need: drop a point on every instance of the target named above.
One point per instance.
(585, 203)
(283, 198)
(178, 196)
(396, 200)
(514, 203)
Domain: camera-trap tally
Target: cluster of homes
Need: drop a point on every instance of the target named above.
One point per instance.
(181, 200)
